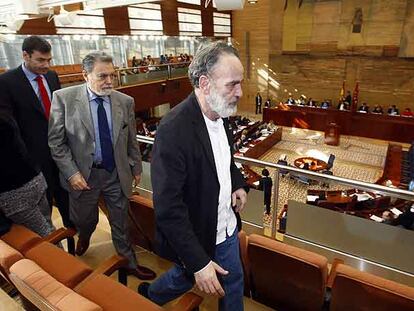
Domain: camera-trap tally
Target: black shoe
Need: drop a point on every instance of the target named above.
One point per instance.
(143, 289)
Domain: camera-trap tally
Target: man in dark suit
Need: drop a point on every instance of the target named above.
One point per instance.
(26, 92)
(196, 185)
(265, 184)
(258, 103)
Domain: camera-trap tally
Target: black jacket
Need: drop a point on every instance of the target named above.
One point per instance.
(15, 166)
(186, 187)
(17, 96)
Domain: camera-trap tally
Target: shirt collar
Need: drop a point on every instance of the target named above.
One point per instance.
(30, 75)
(213, 124)
(92, 96)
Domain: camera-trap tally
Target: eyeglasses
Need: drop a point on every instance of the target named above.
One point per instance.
(104, 76)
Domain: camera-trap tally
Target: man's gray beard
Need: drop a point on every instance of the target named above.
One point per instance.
(106, 92)
(218, 105)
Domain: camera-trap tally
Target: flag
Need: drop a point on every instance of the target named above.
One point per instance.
(355, 97)
(342, 93)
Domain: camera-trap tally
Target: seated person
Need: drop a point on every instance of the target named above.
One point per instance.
(290, 100)
(363, 108)
(387, 217)
(393, 111)
(271, 126)
(301, 101)
(268, 103)
(311, 103)
(377, 109)
(237, 145)
(283, 161)
(405, 219)
(245, 121)
(325, 104)
(407, 113)
(343, 105)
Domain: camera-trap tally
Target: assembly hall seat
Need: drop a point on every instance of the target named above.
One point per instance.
(356, 290)
(96, 292)
(285, 277)
(16, 243)
(142, 221)
(51, 279)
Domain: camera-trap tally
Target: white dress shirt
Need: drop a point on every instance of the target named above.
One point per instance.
(226, 219)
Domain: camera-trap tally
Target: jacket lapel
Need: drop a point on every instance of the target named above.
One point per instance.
(82, 102)
(201, 130)
(116, 113)
(28, 92)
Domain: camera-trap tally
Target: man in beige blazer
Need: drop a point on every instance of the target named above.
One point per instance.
(92, 140)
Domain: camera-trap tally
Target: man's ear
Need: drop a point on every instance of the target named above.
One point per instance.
(26, 55)
(85, 75)
(204, 84)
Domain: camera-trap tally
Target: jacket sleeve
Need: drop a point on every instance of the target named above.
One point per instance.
(59, 148)
(134, 154)
(169, 174)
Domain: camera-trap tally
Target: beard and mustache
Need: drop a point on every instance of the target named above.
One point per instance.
(220, 105)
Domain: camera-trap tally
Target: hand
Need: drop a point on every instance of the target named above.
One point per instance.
(77, 182)
(207, 281)
(137, 179)
(242, 196)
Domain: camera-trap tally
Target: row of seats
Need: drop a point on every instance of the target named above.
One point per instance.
(285, 277)
(48, 278)
(69, 73)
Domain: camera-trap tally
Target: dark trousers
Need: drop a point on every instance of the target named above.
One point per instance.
(61, 198)
(176, 281)
(258, 108)
(85, 213)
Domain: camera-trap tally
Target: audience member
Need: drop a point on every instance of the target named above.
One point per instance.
(97, 154)
(134, 62)
(22, 187)
(27, 92)
(196, 183)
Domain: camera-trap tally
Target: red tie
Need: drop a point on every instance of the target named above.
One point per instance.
(44, 96)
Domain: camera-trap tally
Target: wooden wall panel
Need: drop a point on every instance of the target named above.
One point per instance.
(117, 21)
(169, 17)
(153, 94)
(39, 26)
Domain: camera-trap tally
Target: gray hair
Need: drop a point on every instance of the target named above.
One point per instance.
(206, 58)
(92, 58)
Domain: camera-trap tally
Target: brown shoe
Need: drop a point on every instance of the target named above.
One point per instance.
(142, 273)
(81, 247)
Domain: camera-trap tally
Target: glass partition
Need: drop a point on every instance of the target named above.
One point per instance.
(361, 222)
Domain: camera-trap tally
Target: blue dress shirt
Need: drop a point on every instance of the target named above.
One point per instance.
(93, 105)
(31, 77)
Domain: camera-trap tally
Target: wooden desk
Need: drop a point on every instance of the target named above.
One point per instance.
(262, 146)
(314, 164)
(394, 128)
